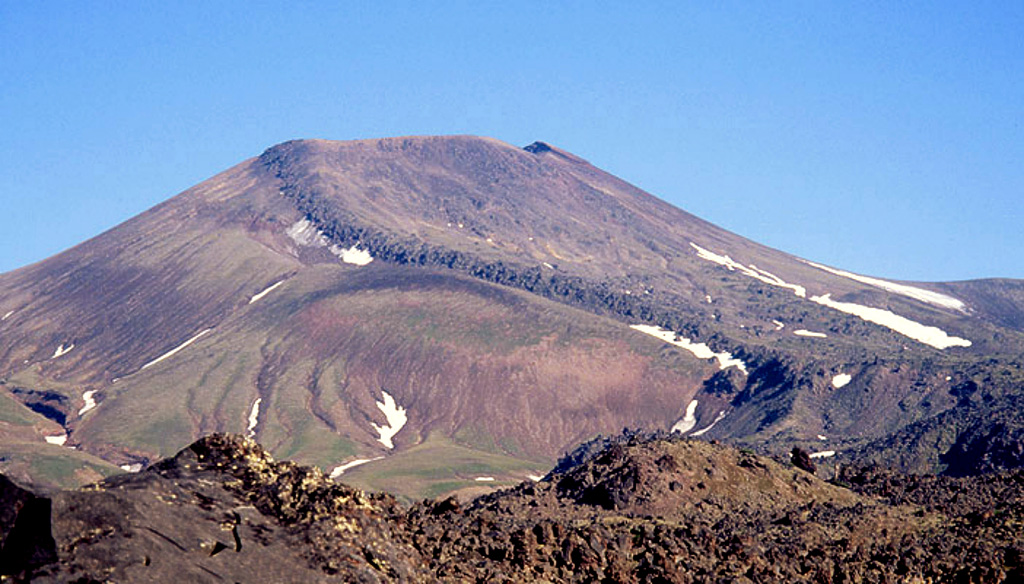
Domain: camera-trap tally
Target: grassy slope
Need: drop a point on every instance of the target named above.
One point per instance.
(27, 458)
(321, 347)
(438, 466)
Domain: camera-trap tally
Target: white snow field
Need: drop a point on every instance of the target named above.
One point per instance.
(841, 380)
(340, 469)
(90, 403)
(699, 350)
(62, 350)
(717, 419)
(752, 270)
(58, 440)
(254, 417)
(264, 292)
(688, 421)
(352, 255)
(396, 417)
(927, 296)
(304, 233)
(807, 333)
(823, 454)
(928, 335)
(175, 350)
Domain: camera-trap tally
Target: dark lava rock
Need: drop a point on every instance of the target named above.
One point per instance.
(24, 529)
(802, 460)
(224, 510)
(644, 509)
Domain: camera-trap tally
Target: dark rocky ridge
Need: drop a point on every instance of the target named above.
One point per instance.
(641, 510)
(600, 296)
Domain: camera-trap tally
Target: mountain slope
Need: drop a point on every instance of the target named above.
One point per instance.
(491, 305)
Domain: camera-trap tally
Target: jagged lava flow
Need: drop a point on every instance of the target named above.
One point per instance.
(432, 315)
(629, 509)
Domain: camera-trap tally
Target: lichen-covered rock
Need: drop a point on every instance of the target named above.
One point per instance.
(223, 509)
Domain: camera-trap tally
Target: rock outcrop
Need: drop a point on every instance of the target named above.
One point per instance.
(642, 510)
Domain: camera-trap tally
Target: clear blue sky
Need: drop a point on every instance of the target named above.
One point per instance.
(883, 138)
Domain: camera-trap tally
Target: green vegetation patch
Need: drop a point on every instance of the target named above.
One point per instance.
(53, 466)
(438, 467)
(14, 412)
(315, 444)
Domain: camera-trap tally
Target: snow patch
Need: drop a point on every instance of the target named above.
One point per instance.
(822, 437)
(484, 479)
(699, 350)
(176, 349)
(688, 420)
(265, 291)
(90, 402)
(806, 333)
(717, 419)
(396, 417)
(535, 478)
(58, 440)
(841, 380)
(340, 469)
(928, 335)
(779, 325)
(352, 255)
(751, 270)
(134, 467)
(548, 266)
(927, 296)
(62, 350)
(303, 232)
(254, 417)
(823, 454)
(7, 315)
(708, 298)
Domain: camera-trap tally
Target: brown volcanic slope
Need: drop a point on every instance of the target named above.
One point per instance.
(639, 511)
(494, 313)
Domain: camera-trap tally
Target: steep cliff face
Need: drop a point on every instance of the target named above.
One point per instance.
(640, 510)
(364, 305)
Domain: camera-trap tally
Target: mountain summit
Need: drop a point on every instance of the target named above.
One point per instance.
(438, 314)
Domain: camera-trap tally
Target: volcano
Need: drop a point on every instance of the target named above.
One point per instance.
(431, 315)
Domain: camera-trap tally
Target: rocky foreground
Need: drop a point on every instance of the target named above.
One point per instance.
(640, 510)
